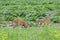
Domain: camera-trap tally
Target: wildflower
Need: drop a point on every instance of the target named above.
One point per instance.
(57, 35)
(3, 36)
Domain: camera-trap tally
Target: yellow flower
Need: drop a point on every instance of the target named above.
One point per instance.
(57, 35)
(3, 35)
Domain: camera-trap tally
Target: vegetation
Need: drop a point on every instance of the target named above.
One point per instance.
(31, 11)
(31, 33)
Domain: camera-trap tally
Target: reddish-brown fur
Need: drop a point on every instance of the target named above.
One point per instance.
(20, 22)
(44, 20)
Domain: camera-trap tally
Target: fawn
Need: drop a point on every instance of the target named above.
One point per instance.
(44, 21)
(20, 22)
(47, 19)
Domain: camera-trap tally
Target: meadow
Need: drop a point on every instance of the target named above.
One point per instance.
(31, 33)
(30, 11)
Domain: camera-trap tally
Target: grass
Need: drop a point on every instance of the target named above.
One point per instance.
(28, 7)
(31, 33)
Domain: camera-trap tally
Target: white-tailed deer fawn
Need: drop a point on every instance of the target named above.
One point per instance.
(44, 21)
(47, 19)
(20, 22)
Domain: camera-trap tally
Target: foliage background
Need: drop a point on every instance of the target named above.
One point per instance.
(30, 10)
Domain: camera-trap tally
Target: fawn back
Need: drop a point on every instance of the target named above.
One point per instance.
(47, 19)
(20, 22)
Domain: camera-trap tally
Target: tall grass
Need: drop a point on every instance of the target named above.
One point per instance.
(32, 33)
